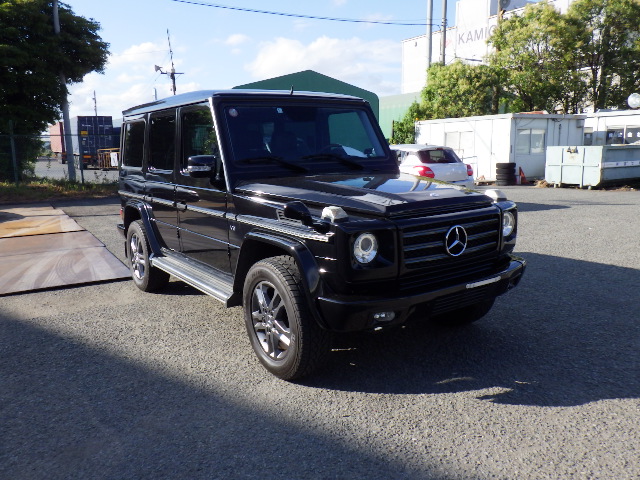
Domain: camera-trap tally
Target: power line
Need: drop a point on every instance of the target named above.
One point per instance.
(312, 17)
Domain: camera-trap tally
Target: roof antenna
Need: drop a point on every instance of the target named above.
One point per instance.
(291, 91)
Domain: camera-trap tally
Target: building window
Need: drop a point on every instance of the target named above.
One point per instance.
(588, 136)
(530, 141)
(615, 136)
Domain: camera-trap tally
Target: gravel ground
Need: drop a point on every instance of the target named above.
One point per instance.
(107, 382)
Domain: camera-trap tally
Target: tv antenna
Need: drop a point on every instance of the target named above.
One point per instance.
(172, 73)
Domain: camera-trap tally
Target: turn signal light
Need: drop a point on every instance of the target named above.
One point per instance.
(469, 170)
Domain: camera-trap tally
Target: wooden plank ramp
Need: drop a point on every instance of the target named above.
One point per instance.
(41, 247)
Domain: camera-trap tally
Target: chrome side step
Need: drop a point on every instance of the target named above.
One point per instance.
(206, 280)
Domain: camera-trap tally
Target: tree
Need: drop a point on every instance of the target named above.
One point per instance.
(404, 131)
(536, 50)
(455, 90)
(608, 48)
(34, 56)
(460, 90)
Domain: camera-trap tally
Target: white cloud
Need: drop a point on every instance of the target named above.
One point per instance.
(139, 55)
(130, 80)
(237, 39)
(339, 3)
(361, 63)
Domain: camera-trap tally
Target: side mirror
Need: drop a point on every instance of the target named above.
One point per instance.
(201, 166)
(298, 211)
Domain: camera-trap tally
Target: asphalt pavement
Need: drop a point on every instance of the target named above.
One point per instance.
(104, 381)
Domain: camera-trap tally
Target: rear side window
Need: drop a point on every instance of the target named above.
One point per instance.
(162, 147)
(133, 144)
(440, 155)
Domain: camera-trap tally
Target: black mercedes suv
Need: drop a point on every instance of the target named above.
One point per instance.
(292, 205)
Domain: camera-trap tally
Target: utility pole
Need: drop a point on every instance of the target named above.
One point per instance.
(443, 44)
(172, 74)
(429, 30)
(68, 142)
(95, 103)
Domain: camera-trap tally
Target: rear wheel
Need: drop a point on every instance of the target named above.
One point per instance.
(146, 277)
(283, 333)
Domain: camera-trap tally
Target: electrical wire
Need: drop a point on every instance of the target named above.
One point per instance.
(312, 17)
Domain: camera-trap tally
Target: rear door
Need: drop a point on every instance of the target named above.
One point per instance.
(159, 185)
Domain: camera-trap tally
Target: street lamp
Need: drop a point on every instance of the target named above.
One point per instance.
(634, 100)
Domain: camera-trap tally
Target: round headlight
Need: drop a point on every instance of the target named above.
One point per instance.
(365, 248)
(508, 224)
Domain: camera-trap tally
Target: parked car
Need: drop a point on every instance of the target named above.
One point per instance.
(292, 206)
(432, 161)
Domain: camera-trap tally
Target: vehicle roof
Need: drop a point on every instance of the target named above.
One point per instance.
(204, 95)
(416, 147)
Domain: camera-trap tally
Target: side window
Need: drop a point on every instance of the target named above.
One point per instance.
(162, 141)
(133, 144)
(198, 134)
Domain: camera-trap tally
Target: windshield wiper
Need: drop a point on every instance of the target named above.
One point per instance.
(332, 156)
(279, 160)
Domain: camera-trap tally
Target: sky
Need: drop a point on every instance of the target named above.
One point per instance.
(219, 48)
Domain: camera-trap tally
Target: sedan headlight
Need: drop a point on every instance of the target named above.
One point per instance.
(508, 223)
(365, 248)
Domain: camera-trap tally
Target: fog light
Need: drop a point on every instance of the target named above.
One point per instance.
(384, 316)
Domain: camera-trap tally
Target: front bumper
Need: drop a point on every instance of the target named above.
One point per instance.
(346, 314)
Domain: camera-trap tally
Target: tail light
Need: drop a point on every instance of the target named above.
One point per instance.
(469, 170)
(423, 171)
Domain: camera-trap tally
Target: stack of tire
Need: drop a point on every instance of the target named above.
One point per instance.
(505, 174)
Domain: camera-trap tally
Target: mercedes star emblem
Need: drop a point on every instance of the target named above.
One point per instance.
(455, 241)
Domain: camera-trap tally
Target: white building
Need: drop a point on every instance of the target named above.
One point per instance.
(475, 21)
(619, 127)
(520, 138)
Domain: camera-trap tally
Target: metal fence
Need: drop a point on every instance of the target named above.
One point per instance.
(27, 157)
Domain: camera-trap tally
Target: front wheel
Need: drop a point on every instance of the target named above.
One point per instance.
(283, 333)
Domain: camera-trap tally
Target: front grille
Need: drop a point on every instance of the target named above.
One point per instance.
(426, 261)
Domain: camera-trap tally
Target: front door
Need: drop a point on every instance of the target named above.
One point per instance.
(201, 202)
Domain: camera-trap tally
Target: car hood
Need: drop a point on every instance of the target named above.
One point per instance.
(382, 195)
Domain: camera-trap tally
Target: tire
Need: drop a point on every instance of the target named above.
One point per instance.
(146, 277)
(283, 333)
(506, 177)
(506, 167)
(466, 315)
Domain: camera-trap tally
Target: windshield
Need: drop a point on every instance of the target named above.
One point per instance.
(302, 138)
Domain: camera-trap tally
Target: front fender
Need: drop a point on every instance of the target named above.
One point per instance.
(259, 245)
